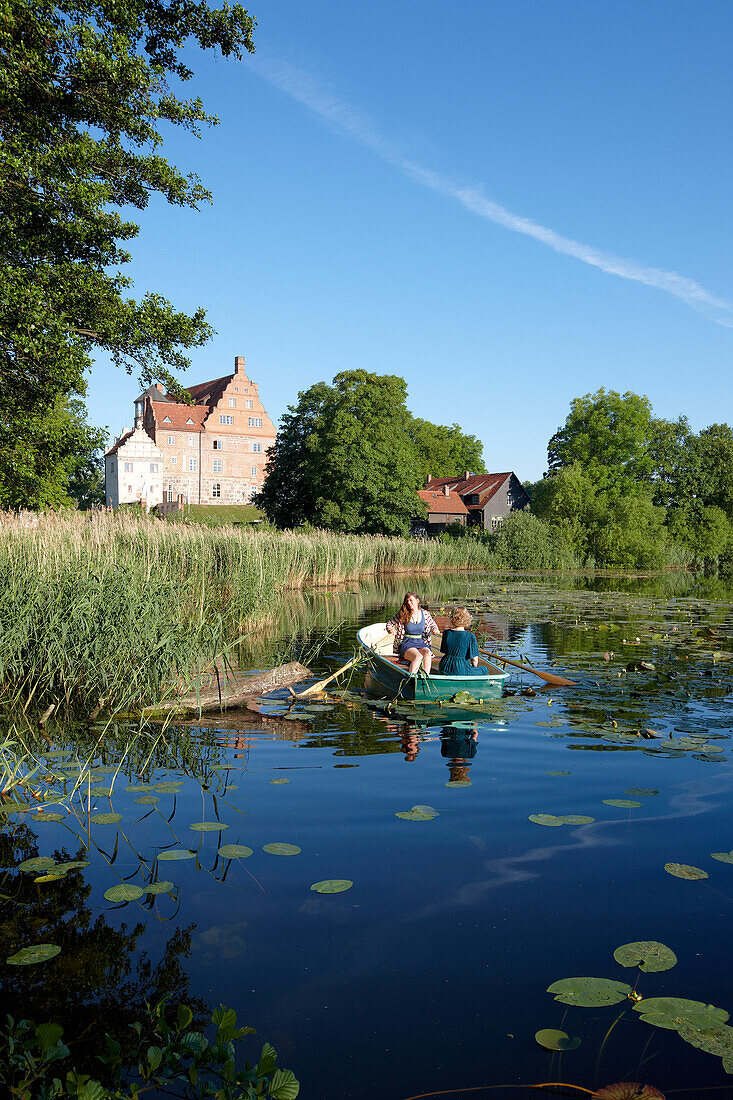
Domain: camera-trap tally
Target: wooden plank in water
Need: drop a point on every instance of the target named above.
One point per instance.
(230, 689)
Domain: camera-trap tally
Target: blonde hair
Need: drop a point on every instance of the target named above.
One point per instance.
(460, 617)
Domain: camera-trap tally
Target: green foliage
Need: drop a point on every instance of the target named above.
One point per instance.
(525, 542)
(606, 434)
(84, 92)
(167, 1055)
(445, 451)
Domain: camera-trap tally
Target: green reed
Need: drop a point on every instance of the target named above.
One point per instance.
(114, 607)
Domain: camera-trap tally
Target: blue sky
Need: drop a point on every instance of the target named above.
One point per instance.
(427, 189)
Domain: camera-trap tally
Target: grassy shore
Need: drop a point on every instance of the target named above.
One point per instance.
(113, 607)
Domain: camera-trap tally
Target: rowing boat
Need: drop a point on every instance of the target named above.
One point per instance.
(394, 678)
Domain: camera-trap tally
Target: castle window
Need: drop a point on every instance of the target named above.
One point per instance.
(232, 402)
(192, 441)
(248, 403)
(216, 466)
(128, 467)
(192, 464)
(171, 440)
(255, 421)
(253, 471)
(174, 461)
(216, 489)
(153, 467)
(257, 447)
(226, 419)
(217, 445)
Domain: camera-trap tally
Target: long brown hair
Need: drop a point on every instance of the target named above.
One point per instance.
(404, 613)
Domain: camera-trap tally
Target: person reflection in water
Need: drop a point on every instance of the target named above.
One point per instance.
(459, 746)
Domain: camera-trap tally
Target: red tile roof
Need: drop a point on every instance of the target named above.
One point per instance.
(178, 415)
(445, 505)
(208, 393)
(120, 442)
(485, 485)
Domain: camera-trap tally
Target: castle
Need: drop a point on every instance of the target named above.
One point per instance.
(210, 452)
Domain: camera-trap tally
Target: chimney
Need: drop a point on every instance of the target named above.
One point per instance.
(430, 478)
(468, 474)
(239, 364)
(446, 490)
(159, 387)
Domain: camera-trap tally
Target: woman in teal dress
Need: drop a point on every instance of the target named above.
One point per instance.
(460, 648)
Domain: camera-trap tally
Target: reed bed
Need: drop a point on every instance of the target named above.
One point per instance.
(113, 607)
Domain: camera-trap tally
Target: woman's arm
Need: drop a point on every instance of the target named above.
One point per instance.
(473, 650)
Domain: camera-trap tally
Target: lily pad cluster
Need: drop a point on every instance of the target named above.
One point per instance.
(554, 820)
(418, 813)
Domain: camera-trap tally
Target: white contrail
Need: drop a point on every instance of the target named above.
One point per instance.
(352, 123)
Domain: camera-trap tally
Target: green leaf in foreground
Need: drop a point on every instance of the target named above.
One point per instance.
(589, 992)
(125, 891)
(105, 819)
(332, 885)
(162, 887)
(38, 953)
(208, 826)
(279, 849)
(235, 851)
(684, 870)
(648, 955)
(714, 1038)
(674, 1013)
(549, 1038)
(723, 857)
(175, 853)
(284, 1085)
(37, 863)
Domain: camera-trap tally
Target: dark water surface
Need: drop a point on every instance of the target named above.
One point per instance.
(431, 972)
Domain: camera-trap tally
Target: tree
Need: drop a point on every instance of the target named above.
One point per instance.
(84, 90)
(344, 458)
(53, 460)
(607, 434)
(446, 451)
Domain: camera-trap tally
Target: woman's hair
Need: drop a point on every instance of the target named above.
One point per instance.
(404, 613)
(460, 617)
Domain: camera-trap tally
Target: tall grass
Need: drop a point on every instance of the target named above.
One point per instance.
(114, 607)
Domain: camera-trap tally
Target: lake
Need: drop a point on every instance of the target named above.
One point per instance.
(430, 972)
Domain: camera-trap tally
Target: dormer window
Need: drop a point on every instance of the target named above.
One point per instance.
(189, 421)
(166, 420)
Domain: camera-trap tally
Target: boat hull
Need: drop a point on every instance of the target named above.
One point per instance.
(398, 683)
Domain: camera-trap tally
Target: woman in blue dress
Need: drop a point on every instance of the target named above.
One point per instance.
(460, 648)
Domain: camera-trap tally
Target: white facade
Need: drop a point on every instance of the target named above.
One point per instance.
(133, 469)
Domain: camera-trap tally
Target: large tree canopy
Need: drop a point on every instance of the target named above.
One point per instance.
(350, 456)
(84, 88)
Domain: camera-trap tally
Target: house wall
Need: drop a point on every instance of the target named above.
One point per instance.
(134, 473)
(509, 497)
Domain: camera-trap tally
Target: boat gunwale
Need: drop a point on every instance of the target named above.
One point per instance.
(495, 676)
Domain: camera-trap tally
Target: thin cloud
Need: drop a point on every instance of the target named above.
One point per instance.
(354, 124)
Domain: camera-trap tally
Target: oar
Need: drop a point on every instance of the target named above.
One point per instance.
(548, 677)
(314, 689)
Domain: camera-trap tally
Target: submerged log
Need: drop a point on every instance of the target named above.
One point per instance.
(220, 690)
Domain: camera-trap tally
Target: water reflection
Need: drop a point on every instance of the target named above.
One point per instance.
(459, 745)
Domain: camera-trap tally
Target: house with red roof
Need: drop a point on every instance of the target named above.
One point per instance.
(487, 498)
(444, 507)
(212, 451)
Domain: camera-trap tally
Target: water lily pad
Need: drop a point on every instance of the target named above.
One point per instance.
(554, 773)
(138, 787)
(161, 887)
(684, 870)
(102, 791)
(546, 819)
(426, 810)
(622, 803)
(279, 781)
(73, 865)
(641, 792)
(278, 849)
(175, 853)
(576, 819)
(332, 885)
(37, 863)
(147, 800)
(51, 876)
(549, 1038)
(674, 1013)
(49, 817)
(105, 819)
(414, 815)
(208, 826)
(648, 955)
(235, 851)
(714, 1038)
(38, 953)
(723, 857)
(458, 783)
(126, 891)
(628, 1090)
(589, 992)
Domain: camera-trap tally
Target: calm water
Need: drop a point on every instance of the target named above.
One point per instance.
(431, 972)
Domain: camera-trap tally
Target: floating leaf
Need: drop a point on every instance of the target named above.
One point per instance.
(549, 1038)
(622, 803)
(554, 773)
(147, 800)
(458, 783)
(105, 819)
(235, 851)
(51, 876)
(426, 810)
(37, 863)
(162, 887)
(723, 857)
(641, 792)
(628, 1090)
(576, 819)
(674, 1013)
(73, 865)
(279, 849)
(648, 955)
(49, 817)
(38, 953)
(715, 1038)
(139, 787)
(332, 885)
(126, 891)
(589, 992)
(684, 870)
(103, 791)
(546, 819)
(208, 826)
(280, 780)
(414, 815)
(176, 853)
